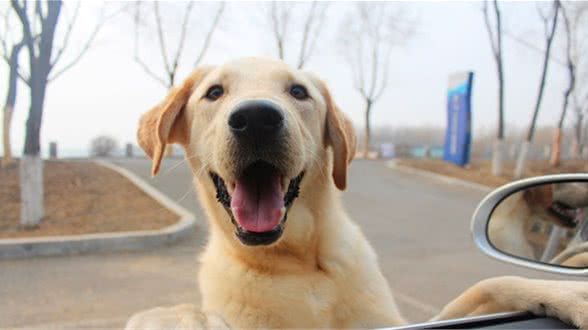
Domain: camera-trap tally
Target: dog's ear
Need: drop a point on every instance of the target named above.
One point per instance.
(539, 195)
(340, 135)
(166, 123)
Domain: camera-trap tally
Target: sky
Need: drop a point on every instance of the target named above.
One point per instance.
(107, 91)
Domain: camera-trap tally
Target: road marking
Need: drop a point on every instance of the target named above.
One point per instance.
(439, 177)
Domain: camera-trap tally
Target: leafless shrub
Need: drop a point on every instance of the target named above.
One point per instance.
(103, 146)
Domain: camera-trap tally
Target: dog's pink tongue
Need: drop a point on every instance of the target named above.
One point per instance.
(257, 204)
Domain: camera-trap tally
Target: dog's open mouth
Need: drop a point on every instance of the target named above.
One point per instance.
(259, 202)
(565, 213)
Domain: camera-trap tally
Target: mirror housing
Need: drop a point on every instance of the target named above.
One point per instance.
(484, 214)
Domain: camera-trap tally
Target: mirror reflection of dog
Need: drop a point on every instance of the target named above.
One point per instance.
(269, 150)
(543, 206)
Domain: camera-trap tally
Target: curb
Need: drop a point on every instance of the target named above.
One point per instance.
(106, 242)
(439, 177)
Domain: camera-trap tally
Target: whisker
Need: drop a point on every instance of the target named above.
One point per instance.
(179, 163)
(315, 160)
(202, 169)
(190, 189)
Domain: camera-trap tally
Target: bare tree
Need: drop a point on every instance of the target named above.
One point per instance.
(549, 20)
(495, 37)
(282, 16)
(573, 16)
(171, 60)
(368, 35)
(39, 22)
(579, 28)
(579, 131)
(571, 70)
(10, 54)
(103, 146)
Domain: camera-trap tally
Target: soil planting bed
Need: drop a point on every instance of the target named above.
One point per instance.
(81, 198)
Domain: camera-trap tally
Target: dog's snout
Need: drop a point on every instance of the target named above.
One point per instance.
(256, 119)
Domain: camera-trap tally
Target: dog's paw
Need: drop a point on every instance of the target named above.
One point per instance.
(567, 301)
(177, 317)
(564, 300)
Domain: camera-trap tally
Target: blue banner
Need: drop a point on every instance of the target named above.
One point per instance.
(458, 135)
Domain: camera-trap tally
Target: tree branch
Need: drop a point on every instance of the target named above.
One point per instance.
(182, 36)
(26, 27)
(89, 41)
(70, 27)
(160, 37)
(39, 11)
(307, 25)
(137, 57)
(12, 61)
(489, 29)
(145, 68)
(315, 36)
(570, 66)
(375, 55)
(277, 30)
(384, 82)
(208, 38)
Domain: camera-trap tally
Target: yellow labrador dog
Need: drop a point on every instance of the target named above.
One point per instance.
(556, 204)
(269, 150)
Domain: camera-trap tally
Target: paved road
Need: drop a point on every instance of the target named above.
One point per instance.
(419, 227)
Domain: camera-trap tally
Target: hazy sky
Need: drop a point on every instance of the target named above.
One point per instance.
(107, 91)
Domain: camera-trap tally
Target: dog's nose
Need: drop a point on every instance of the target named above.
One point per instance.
(258, 119)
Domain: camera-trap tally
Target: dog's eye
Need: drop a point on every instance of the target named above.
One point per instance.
(299, 92)
(214, 92)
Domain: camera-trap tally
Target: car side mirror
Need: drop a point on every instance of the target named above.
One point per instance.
(539, 223)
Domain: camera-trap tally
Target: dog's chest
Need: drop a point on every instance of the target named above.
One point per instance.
(252, 299)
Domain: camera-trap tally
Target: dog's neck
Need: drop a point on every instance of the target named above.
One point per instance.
(305, 230)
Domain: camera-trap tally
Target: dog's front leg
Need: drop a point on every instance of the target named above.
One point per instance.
(185, 316)
(565, 300)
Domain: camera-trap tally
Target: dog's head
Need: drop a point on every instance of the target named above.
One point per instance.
(256, 129)
(557, 203)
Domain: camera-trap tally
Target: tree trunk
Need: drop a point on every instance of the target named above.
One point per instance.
(31, 167)
(39, 49)
(498, 157)
(9, 104)
(519, 171)
(577, 141)
(7, 120)
(31, 190)
(496, 43)
(498, 150)
(35, 118)
(520, 168)
(555, 159)
(556, 147)
(367, 137)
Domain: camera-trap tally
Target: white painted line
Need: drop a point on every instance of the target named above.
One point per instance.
(147, 188)
(439, 177)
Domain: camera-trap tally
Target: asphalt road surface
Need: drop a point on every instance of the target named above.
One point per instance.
(420, 228)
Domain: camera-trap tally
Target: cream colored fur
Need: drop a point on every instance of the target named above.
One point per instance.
(322, 272)
(506, 229)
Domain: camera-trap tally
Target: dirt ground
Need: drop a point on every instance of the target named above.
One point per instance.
(81, 198)
(479, 171)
